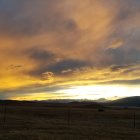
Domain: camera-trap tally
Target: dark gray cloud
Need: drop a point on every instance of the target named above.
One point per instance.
(25, 18)
(39, 54)
(47, 62)
(133, 55)
(121, 56)
(67, 64)
(117, 55)
(58, 67)
(42, 58)
(124, 82)
(119, 67)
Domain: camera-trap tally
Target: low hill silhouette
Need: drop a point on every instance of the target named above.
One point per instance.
(85, 105)
(72, 104)
(125, 102)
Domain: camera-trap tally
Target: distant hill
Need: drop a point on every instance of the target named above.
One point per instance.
(57, 103)
(85, 104)
(101, 100)
(125, 102)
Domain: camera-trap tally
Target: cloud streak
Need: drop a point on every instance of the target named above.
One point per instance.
(68, 43)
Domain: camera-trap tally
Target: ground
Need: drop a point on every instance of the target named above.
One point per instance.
(40, 122)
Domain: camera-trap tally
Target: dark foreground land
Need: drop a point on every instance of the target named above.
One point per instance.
(42, 121)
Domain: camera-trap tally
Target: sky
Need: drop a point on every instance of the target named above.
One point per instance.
(69, 49)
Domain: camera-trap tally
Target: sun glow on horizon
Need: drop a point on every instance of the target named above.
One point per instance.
(91, 92)
(101, 91)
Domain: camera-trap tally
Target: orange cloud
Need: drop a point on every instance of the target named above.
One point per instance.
(68, 42)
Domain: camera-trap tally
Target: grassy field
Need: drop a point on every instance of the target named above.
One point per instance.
(39, 122)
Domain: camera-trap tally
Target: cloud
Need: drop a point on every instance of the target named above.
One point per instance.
(66, 64)
(126, 82)
(116, 44)
(48, 76)
(30, 18)
(66, 71)
(39, 54)
(72, 42)
(120, 56)
(119, 67)
(14, 67)
(38, 91)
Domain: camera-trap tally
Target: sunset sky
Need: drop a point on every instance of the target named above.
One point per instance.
(69, 49)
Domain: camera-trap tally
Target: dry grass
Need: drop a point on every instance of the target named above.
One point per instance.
(46, 123)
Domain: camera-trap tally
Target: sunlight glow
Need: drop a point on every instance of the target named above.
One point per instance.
(101, 91)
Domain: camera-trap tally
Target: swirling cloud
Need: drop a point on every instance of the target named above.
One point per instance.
(68, 42)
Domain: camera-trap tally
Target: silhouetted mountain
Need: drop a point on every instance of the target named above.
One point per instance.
(126, 102)
(53, 103)
(85, 104)
(101, 100)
